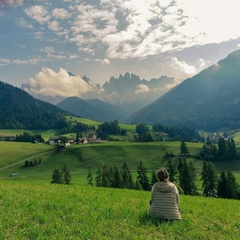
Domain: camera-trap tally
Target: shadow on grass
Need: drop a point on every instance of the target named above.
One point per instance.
(145, 219)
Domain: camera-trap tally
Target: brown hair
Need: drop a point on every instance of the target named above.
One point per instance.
(163, 175)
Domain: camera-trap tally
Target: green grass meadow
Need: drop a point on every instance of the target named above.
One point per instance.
(33, 208)
(48, 211)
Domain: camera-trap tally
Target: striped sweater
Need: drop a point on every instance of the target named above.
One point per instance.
(164, 201)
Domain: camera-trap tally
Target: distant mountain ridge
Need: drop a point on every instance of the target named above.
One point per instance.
(209, 101)
(127, 92)
(93, 109)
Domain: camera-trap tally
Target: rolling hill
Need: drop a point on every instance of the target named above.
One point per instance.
(208, 101)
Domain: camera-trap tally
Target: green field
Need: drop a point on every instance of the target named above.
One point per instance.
(81, 158)
(33, 208)
(58, 212)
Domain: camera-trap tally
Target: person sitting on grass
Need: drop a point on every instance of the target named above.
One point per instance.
(164, 203)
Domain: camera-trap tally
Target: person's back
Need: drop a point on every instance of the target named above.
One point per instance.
(164, 199)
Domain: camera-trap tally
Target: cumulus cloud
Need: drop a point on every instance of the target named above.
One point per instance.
(60, 13)
(51, 83)
(11, 3)
(38, 13)
(142, 88)
(183, 67)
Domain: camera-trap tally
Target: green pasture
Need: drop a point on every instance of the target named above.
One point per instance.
(46, 134)
(237, 137)
(14, 152)
(80, 158)
(83, 120)
(58, 212)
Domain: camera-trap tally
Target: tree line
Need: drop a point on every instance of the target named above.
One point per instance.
(224, 150)
(184, 176)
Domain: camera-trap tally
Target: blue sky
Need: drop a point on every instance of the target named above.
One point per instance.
(42, 40)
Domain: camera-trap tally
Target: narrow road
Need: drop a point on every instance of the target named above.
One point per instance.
(13, 164)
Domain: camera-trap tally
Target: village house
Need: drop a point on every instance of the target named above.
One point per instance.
(92, 137)
(55, 141)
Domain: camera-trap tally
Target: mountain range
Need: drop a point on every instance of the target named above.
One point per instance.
(208, 101)
(127, 93)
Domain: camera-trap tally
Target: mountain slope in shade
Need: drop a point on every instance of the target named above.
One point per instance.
(94, 109)
(19, 110)
(208, 101)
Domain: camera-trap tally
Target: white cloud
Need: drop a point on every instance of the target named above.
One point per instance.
(54, 26)
(142, 88)
(32, 61)
(49, 82)
(183, 67)
(211, 21)
(61, 13)
(22, 23)
(202, 63)
(38, 35)
(11, 3)
(104, 61)
(38, 13)
(73, 56)
(140, 28)
(4, 61)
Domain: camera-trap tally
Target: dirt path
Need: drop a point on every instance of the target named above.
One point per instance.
(13, 164)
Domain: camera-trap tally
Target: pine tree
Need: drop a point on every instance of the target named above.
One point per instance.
(184, 149)
(57, 176)
(171, 170)
(187, 176)
(117, 178)
(209, 179)
(222, 148)
(90, 178)
(105, 178)
(142, 176)
(228, 186)
(154, 178)
(66, 175)
(127, 178)
(232, 150)
(98, 178)
(233, 186)
(222, 186)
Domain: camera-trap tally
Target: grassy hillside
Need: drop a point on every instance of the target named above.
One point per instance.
(46, 211)
(81, 158)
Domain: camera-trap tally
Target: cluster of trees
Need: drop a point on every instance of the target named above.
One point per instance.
(179, 134)
(27, 137)
(224, 186)
(143, 133)
(184, 176)
(173, 133)
(77, 127)
(110, 128)
(121, 178)
(61, 176)
(33, 162)
(224, 150)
